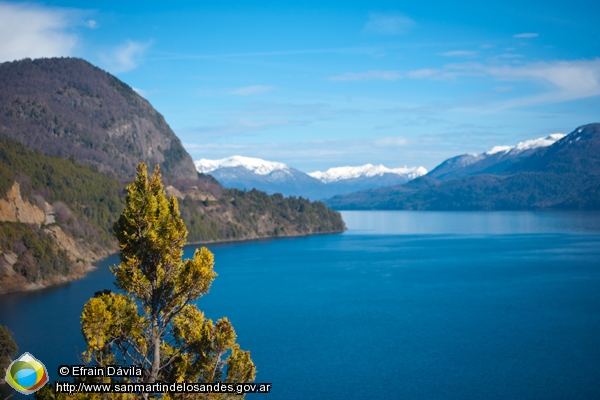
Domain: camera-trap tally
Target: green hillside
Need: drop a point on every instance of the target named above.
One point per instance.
(92, 199)
(86, 204)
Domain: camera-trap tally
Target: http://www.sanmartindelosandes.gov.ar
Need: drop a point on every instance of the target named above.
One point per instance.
(26, 374)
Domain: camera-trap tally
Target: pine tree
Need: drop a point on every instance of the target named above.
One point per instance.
(156, 324)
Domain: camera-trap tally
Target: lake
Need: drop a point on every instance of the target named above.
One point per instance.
(403, 305)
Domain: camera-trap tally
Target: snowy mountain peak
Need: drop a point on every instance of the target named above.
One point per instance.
(498, 149)
(527, 144)
(256, 165)
(365, 171)
(540, 142)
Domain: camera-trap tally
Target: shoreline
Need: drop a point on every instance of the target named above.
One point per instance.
(92, 265)
(264, 238)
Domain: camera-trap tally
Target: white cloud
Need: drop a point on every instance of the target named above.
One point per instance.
(141, 92)
(436, 74)
(396, 141)
(568, 80)
(90, 23)
(238, 127)
(423, 73)
(389, 24)
(125, 57)
(564, 80)
(459, 53)
(367, 76)
(508, 56)
(526, 35)
(34, 31)
(310, 155)
(250, 90)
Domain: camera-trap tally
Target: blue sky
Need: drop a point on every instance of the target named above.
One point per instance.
(323, 84)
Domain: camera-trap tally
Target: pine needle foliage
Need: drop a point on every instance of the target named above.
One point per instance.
(156, 324)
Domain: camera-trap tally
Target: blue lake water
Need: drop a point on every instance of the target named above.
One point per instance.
(403, 305)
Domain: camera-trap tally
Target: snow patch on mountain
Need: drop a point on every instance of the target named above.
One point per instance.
(527, 144)
(365, 171)
(256, 165)
(540, 142)
(498, 149)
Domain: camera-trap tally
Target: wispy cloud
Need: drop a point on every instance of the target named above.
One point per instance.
(308, 155)
(28, 30)
(250, 90)
(367, 76)
(437, 74)
(239, 127)
(507, 56)
(125, 57)
(223, 56)
(565, 80)
(460, 53)
(388, 24)
(92, 24)
(568, 80)
(396, 141)
(141, 92)
(292, 153)
(526, 35)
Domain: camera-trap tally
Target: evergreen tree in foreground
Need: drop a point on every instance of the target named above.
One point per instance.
(156, 325)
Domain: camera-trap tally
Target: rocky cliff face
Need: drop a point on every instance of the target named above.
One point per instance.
(13, 208)
(67, 107)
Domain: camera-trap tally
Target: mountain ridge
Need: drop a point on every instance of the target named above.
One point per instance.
(274, 177)
(496, 160)
(365, 171)
(565, 175)
(68, 107)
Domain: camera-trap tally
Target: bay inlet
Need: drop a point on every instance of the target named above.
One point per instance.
(415, 305)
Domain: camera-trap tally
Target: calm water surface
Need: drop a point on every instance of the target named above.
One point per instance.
(404, 305)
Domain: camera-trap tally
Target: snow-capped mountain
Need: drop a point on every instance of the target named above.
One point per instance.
(366, 171)
(527, 144)
(275, 177)
(255, 165)
(561, 172)
(494, 161)
(250, 173)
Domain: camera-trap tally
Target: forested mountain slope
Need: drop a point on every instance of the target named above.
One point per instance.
(68, 107)
(71, 137)
(565, 175)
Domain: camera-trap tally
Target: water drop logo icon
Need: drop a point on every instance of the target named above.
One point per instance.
(26, 374)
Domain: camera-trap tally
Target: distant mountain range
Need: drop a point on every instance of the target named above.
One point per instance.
(557, 171)
(274, 177)
(494, 161)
